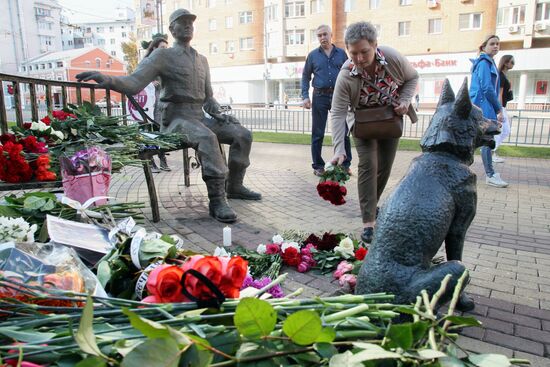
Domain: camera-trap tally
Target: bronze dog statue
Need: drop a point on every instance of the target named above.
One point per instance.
(434, 203)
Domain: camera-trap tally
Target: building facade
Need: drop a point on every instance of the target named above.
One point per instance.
(64, 65)
(257, 49)
(28, 28)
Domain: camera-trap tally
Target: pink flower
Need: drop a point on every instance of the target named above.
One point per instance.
(303, 267)
(272, 249)
(348, 279)
(342, 268)
(306, 250)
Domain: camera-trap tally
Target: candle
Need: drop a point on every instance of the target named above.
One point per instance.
(227, 236)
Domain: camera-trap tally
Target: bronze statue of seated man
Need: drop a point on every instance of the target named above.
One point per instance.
(185, 91)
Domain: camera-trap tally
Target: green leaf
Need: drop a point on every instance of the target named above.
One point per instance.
(327, 335)
(372, 352)
(430, 354)
(92, 361)
(325, 350)
(401, 335)
(419, 329)
(85, 337)
(490, 360)
(196, 357)
(149, 328)
(6, 211)
(123, 347)
(103, 273)
(463, 320)
(303, 327)
(344, 359)
(154, 352)
(33, 203)
(26, 336)
(255, 318)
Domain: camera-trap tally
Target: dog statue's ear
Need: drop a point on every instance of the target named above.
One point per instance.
(463, 104)
(447, 94)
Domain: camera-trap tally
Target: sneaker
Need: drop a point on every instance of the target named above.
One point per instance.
(497, 159)
(368, 234)
(318, 172)
(496, 181)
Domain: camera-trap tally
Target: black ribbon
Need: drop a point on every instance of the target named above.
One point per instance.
(214, 302)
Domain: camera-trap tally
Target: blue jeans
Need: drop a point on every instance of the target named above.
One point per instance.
(487, 158)
(320, 105)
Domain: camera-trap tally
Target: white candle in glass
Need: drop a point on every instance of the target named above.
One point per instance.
(227, 236)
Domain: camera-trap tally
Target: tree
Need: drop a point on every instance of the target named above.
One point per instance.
(130, 50)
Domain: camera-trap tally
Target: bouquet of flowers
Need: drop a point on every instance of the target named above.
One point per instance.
(22, 158)
(331, 184)
(86, 174)
(16, 230)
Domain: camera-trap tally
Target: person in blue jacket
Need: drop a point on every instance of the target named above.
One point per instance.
(484, 90)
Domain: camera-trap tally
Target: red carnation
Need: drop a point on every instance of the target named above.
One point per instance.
(332, 191)
(291, 257)
(360, 253)
(46, 120)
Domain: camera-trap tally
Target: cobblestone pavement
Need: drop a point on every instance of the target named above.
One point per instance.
(507, 248)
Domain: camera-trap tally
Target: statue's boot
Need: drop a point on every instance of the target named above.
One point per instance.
(465, 303)
(218, 207)
(235, 188)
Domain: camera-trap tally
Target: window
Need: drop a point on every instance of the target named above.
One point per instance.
(45, 25)
(295, 37)
(50, 65)
(59, 64)
(271, 12)
(213, 48)
(294, 9)
(111, 29)
(212, 24)
(404, 28)
(518, 15)
(317, 6)
(43, 12)
(46, 40)
(42, 66)
(434, 26)
(98, 63)
(113, 53)
(349, 5)
(469, 21)
(405, 2)
(210, 3)
(100, 29)
(543, 11)
(123, 34)
(70, 42)
(374, 4)
(101, 42)
(229, 46)
(24, 68)
(113, 41)
(88, 30)
(228, 22)
(245, 17)
(246, 43)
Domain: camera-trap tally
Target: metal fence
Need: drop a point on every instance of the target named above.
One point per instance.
(528, 127)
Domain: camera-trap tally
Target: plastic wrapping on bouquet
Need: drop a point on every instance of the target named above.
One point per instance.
(86, 186)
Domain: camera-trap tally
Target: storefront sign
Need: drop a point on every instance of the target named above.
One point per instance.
(437, 63)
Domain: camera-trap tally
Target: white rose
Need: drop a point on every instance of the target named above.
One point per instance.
(345, 248)
(343, 252)
(329, 166)
(59, 134)
(278, 239)
(346, 242)
(261, 249)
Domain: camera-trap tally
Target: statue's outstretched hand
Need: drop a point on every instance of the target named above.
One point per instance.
(100, 79)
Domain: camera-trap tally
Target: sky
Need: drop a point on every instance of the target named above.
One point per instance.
(92, 10)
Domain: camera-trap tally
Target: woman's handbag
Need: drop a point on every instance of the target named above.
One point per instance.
(378, 122)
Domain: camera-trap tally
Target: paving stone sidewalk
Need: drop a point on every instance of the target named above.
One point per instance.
(507, 248)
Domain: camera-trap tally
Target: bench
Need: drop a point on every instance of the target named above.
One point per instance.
(61, 93)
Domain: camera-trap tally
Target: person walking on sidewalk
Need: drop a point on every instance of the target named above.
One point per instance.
(158, 43)
(323, 63)
(484, 92)
(506, 95)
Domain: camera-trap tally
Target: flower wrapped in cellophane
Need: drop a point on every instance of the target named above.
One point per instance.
(86, 174)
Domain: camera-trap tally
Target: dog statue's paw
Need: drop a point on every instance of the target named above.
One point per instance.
(465, 303)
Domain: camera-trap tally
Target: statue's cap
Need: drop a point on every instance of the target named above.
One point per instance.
(181, 13)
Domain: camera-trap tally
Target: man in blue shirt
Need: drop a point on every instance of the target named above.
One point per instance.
(324, 63)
